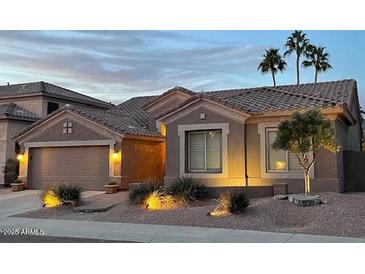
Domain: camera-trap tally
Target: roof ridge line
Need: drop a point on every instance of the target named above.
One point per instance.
(44, 83)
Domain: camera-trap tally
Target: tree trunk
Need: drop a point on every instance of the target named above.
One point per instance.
(273, 78)
(315, 76)
(307, 188)
(298, 70)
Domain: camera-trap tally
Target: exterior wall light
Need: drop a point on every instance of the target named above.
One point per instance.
(115, 155)
(19, 157)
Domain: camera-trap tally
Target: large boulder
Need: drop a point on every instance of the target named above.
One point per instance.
(305, 200)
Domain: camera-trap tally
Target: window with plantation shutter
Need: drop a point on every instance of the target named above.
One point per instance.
(279, 160)
(205, 151)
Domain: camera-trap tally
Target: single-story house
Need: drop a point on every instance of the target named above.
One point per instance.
(222, 137)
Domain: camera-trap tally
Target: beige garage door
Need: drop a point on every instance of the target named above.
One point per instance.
(87, 166)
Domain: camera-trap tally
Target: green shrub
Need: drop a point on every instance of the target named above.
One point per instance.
(139, 194)
(69, 194)
(189, 189)
(10, 171)
(233, 202)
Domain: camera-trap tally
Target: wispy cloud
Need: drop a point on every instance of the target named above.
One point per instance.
(116, 65)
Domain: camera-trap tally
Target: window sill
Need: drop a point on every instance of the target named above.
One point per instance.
(204, 175)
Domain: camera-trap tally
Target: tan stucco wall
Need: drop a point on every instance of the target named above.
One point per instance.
(326, 174)
(235, 147)
(38, 104)
(32, 104)
(3, 145)
(79, 132)
(328, 171)
(8, 128)
(142, 161)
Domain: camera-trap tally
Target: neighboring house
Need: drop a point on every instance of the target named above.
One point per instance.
(23, 104)
(221, 137)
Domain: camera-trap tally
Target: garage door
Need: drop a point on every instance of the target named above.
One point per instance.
(87, 166)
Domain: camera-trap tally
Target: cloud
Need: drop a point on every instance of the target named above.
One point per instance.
(116, 65)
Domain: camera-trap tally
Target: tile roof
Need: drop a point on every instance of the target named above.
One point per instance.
(177, 88)
(111, 119)
(43, 88)
(134, 108)
(11, 110)
(288, 97)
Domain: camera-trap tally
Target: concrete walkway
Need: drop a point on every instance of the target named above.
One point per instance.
(102, 202)
(161, 233)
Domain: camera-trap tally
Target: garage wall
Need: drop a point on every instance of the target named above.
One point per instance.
(85, 166)
(79, 132)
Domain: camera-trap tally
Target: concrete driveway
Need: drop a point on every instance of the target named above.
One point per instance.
(18, 202)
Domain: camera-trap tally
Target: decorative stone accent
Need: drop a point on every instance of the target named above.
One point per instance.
(281, 197)
(305, 200)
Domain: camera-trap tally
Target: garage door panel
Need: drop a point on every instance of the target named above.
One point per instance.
(87, 166)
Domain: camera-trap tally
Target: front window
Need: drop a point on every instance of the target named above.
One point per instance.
(204, 151)
(279, 160)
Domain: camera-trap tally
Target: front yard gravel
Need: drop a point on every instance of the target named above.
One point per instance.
(343, 215)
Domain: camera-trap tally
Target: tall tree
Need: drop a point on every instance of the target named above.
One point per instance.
(297, 42)
(304, 134)
(318, 58)
(272, 62)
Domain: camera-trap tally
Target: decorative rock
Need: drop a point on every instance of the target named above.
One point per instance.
(281, 197)
(305, 200)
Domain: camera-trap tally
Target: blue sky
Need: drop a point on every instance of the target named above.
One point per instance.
(117, 65)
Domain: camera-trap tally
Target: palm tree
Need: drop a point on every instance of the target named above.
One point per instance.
(297, 42)
(273, 62)
(318, 58)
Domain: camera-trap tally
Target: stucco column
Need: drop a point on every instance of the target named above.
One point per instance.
(23, 166)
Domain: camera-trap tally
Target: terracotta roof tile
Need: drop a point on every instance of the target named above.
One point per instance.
(11, 110)
(44, 88)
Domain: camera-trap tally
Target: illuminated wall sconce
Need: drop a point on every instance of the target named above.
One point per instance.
(280, 165)
(163, 129)
(115, 154)
(19, 157)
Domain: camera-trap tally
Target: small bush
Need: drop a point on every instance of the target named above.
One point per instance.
(189, 189)
(17, 181)
(231, 202)
(66, 194)
(138, 195)
(158, 199)
(69, 194)
(10, 171)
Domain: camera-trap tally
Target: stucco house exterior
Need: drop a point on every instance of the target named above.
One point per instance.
(224, 137)
(23, 104)
(221, 137)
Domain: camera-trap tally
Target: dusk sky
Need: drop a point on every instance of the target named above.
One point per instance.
(116, 65)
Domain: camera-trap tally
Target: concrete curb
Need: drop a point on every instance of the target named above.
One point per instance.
(147, 233)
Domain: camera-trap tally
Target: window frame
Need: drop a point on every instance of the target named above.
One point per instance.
(188, 152)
